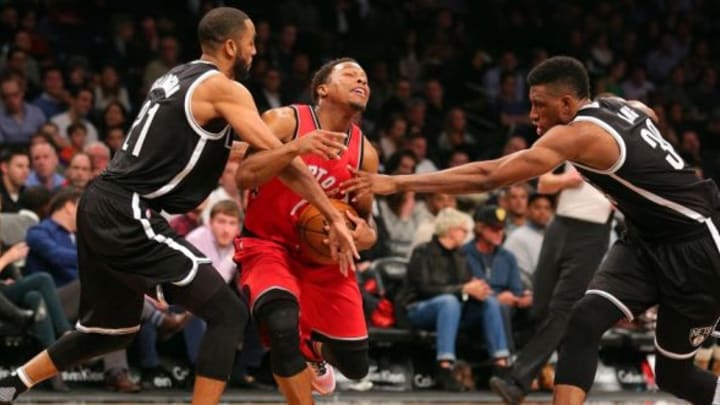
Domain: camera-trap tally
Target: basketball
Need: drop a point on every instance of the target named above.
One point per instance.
(311, 230)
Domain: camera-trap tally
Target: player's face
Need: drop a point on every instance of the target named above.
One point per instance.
(545, 108)
(224, 227)
(348, 84)
(244, 50)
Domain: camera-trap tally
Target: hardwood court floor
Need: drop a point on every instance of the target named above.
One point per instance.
(237, 397)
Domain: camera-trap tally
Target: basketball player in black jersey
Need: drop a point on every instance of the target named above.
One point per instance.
(669, 256)
(172, 158)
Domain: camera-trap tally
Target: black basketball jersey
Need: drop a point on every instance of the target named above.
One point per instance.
(660, 195)
(167, 157)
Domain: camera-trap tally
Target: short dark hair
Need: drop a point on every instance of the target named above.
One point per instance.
(321, 75)
(62, 197)
(7, 154)
(562, 70)
(218, 24)
(35, 199)
(393, 162)
(227, 207)
(75, 126)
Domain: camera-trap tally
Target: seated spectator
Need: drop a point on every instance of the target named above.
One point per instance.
(99, 155)
(399, 214)
(526, 241)
(14, 225)
(114, 138)
(37, 293)
(437, 284)
(52, 100)
(418, 144)
(18, 119)
(514, 199)
(44, 163)
(433, 204)
(497, 267)
(227, 190)
(183, 224)
(79, 106)
(79, 171)
(15, 169)
(77, 133)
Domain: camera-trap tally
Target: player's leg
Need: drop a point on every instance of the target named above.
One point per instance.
(335, 333)
(677, 339)
(623, 287)
(104, 326)
(272, 291)
(226, 316)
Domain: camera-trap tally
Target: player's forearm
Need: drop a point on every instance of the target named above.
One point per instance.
(260, 167)
(299, 179)
(467, 178)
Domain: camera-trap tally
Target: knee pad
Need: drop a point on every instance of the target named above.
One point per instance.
(77, 347)
(350, 357)
(279, 318)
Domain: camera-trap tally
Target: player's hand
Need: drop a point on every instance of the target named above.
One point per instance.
(363, 234)
(327, 144)
(342, 245)
(573, 178)
(363, 183)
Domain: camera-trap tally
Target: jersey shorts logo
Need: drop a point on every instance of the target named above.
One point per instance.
(698, 335)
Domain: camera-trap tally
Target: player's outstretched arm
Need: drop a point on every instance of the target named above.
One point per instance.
(547, 153)
(261, 166)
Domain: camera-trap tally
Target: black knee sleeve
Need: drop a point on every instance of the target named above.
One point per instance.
(226, 316)
(279, 318)
(578, 357)
(77, 347)
(350, 357)
(682, 379)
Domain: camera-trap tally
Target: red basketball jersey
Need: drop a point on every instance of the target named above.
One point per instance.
(273, 208)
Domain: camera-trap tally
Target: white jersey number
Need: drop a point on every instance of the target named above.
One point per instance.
(652, 136)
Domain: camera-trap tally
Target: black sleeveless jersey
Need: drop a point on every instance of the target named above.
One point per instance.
(660, 195)
(167, 157)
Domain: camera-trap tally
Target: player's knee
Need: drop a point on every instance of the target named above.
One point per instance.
(227, 311)
(79, 346)
(280, 318)
(582, 325)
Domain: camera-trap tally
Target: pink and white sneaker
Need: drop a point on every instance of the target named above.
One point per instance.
(323, 381)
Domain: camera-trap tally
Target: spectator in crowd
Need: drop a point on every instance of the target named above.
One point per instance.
(168, 57)
(18, 118)
(52, 100)
(183, 224)
(433, 204)
(525, 242)
(514, 143)
(44, 163)
(392, 137)
(110, 89)
(437, 284)
(114, 116)
(399, 213)
(227, 190)
(637, 87)
(490, 262)
(270, 94)
(514, 199)
(399, 101)
(17, 65)
(513, 111)
(33, 204)
(114, 138)
(35, 292)
(417, 143)
(15, 170)
(80, 103)
(77, 133)
(455, 133)
(99, 155)
(79, 171)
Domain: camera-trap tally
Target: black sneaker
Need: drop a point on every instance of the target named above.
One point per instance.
(510, 393)
(446, 380)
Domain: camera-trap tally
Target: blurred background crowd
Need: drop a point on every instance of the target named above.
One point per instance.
(447, 82)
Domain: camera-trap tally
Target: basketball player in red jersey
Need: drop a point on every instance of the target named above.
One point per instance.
(281, 284)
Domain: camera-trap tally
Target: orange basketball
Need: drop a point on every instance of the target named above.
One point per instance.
(311, 230)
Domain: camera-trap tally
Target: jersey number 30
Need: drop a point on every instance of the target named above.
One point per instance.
(652, 136)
